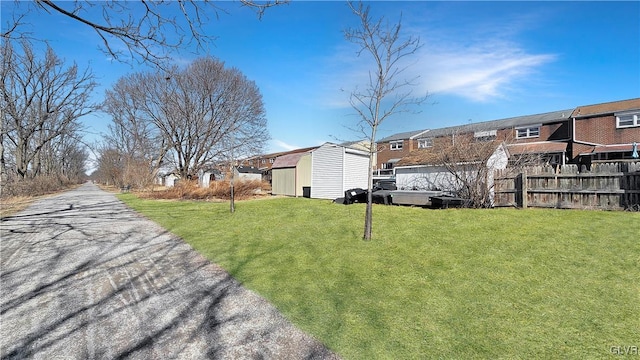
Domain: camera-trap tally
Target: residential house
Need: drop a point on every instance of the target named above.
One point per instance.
(454, 158)
(265, 162)
(392, 149)
(544, 137)
(605, 132)
(452, 167)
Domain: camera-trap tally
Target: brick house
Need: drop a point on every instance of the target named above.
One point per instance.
(265, 162)
(545, 136)
(393, 148)
(605, 132)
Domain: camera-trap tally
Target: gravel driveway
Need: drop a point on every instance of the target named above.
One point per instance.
(84, 277)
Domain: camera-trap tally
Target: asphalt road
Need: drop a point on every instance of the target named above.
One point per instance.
(84, 277)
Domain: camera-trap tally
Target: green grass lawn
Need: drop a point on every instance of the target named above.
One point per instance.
(460, 284)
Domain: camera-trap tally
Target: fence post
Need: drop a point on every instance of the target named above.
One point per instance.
(524, 189)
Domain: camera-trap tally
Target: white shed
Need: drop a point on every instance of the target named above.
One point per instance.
(248, 173)
(170, 180)
(206, 177)
(335, 169)
(437, 177)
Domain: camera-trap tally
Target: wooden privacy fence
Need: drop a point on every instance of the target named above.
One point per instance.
(607, 186)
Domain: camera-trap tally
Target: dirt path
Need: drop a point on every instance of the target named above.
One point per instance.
(84, 277)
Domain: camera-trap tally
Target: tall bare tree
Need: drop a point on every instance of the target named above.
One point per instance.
(386, 94)
(191, 114)
(110, 166)
(130, 30)
(141, 147)
(42, 102)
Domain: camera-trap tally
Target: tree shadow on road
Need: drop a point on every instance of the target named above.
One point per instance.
(84, 277)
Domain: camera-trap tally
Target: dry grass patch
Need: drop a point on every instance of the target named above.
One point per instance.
(15, 204)
(218, 190)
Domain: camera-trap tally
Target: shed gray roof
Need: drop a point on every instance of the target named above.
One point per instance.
(544, 118)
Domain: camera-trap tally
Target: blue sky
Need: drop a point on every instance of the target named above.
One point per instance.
(479, 60)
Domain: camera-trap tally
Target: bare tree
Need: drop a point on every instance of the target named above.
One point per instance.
(42, 102)
(470, 165)
(385, 95)
(110, 166)
(463, 163)
(142, 148)
(191, 114)
(139, 28)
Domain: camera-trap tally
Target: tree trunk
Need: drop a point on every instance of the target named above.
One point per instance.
(3, 169)
(368, 217)
(232, 205)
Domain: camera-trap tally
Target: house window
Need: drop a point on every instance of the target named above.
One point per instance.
(489, 135)
(272, 160)
(396, 145)
(628, 120)
(425, 143)
(264, 161)
(528, 132)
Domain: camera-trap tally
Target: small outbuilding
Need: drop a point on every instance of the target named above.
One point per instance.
(427, 173)
(336, 168)
(171, 179)
(291, 175)
(206, 177)
(248, 173)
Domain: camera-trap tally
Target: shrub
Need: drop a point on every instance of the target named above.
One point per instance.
(189, 190)
(40, 185)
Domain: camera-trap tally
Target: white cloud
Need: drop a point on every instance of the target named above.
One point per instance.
(481, 72)
(279, 145)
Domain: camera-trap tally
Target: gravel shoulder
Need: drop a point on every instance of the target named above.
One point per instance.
(84, 277)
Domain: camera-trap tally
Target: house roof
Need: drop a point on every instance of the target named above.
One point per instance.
(287, 161)
(610, 148)
(507, 123)
(542, 147)
(402, 136)
(281, 153)
(543, 118)
(606, 108)
(468, 152)
(248, 170)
